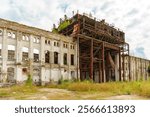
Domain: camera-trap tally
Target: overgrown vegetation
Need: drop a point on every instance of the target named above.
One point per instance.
(29, 81)
(61, 26)
(79, 89)
(141, 88)
(17, 92)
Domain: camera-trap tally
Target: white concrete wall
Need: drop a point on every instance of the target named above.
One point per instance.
(25, 38)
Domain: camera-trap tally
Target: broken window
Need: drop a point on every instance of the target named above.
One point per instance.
(54, 43)
(65, 58)
(36, 55)
(10, 74)
(55, 57)
(47, 56)
(45, 41)
(57, 44)
(25, 54)
(49, 42)
(11, 55)
(11, 52)
(72, 59)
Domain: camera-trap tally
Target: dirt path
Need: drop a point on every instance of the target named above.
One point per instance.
(50, 94)
(125, 97)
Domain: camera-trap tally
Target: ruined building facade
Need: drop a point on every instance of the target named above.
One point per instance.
(25, 50)
(85, 49)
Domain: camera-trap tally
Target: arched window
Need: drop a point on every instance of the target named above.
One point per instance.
(47, 56)
(55, 57)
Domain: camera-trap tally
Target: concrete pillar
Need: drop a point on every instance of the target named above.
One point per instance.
(77, 61)
(18, 74)
(117, 67)
(31, 56)
(69, 61)
(4, 56)
(42, 58)
(61, 61)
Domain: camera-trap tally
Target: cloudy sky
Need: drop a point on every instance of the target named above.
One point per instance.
(131, 16)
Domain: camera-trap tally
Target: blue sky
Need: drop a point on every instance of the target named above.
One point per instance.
(131, 16)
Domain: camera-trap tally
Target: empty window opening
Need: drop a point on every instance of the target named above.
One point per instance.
(47, 56)
(54, 43)
(57, 44)
(36, 55)
(9, 34)
(11, 52)
(45, 41)
(25, 54)
(64, 45)
(23, 37)
(55, 57)
(38, 40)
(10, 74)
(72, 59)
(65, 58)
(72, 74)
(24, 71)
(13, 35)
(27, 38)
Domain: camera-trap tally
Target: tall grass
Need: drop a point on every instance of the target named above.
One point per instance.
(141, 88)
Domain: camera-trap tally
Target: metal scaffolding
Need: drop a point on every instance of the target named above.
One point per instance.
(101, 49)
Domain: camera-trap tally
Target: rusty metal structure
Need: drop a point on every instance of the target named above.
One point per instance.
(101, 49)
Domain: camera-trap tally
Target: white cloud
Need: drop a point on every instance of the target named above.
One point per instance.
(131, 16)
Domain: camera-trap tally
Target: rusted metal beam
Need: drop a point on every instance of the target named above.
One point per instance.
(91, 63)
(119, 64)
(107, 45)
(103, 63)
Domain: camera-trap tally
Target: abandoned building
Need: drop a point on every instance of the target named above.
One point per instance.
(84, 49)
(27, 50)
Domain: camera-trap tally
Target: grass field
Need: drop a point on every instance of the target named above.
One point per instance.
(77, 90)
(141, 88)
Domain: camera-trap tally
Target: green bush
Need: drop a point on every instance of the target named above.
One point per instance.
(29, 81)
(63, 25)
